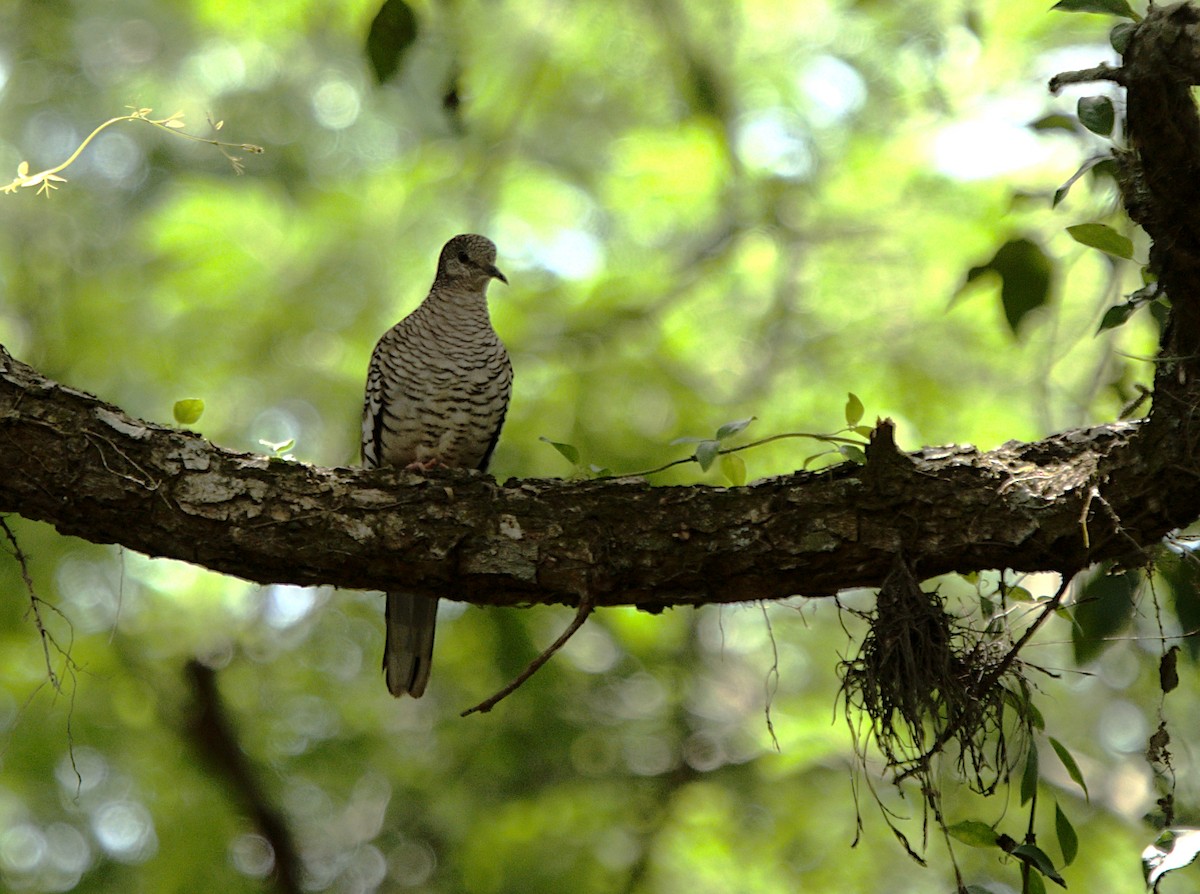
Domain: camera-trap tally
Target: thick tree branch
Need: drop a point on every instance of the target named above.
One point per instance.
(1109, 492)
(1059, 504)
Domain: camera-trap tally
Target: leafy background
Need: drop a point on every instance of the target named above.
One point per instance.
(707, 212)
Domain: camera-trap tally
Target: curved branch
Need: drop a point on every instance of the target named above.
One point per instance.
(90, 470)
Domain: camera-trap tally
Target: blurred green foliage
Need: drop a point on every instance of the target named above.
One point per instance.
(707, 212)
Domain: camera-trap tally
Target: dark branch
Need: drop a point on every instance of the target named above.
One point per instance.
(85, 467)
(212, 732)
(581, 615)
(1087, 76)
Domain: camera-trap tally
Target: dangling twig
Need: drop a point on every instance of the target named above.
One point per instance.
(581, 615)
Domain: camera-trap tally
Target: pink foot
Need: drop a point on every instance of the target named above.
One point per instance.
(426, 466)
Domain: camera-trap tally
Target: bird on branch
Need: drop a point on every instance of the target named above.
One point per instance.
(437, 390)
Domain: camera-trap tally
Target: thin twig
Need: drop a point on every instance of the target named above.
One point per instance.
(581, 615)
(828, 439)
(771, 683)
(213, 731)
(34, 605)
(1087, 76)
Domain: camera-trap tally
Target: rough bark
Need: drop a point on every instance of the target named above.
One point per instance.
(1108, 492)
(92, 471)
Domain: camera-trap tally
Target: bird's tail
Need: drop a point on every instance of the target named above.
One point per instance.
(408, 649)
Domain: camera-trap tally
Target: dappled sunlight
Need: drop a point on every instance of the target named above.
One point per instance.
(706, 213)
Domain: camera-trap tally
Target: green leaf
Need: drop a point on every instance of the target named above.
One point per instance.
(1103, 7)
(864, 430)
(188, 411)
(733, 467)
(854, 409)
(1102, 237)
(1103, 609)
(278, 447)
(1068, 840)
(1068, 761)
(1055, 121)
(729, 429)
(1039, 860)
(706, 452)
(1096, 114)
(1101, 164)
(568, 451)
(809, 460)
(1116, 316)
(1118, 37)
(853, 453)
(393, 31)
(976, 833)
(1035, 885)
(1029, 779)
(1025, 274)
(1035, 715)
(1182, 579)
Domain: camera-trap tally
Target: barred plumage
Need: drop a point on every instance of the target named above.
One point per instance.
(437, 391)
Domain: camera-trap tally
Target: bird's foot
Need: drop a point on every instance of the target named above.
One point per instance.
(427, 465)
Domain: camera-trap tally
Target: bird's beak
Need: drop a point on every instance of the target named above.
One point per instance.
(495, 273)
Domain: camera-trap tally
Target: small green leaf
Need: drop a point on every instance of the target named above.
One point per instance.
(976, 833)
(1102, 237)
(568, 451)
(1025, 278)
(733, 467)
(1039, 860)
(1056, 121)
(1092, 163)
(1103, 7)
(1104, 608)
(854, 409)
(278, 447)
(1022, 702)
(1029, 779)
(393, 31)
(853, 453)
(1035, 716)
(865, 430)
(1068, 840)
(1118, 37)
(706, 452)
(729, 429)
(599, 471)
(1116, 316)
(1096, 114)
(809, 460)
(1068, 761)
(1035, 885)
(189, 411)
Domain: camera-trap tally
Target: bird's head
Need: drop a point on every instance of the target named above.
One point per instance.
(469, 260)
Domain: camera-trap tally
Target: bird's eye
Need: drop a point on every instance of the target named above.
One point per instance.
(462, 257)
